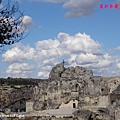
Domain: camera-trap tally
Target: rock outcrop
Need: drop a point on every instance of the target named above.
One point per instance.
(93, 97)
(56, 71)
(76, 87)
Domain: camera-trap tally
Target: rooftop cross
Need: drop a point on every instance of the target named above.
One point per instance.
(63, 63)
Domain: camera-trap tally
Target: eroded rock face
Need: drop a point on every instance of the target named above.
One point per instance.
(83, 114)
(38, 105)
(67, 85)
(68, 73)
(15, 98)
(56, 71)
(101, 114)
(78, 72)
(43, 105)
(71, 83)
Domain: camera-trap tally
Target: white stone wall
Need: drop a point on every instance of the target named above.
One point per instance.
(70, 104)
(29, 106)
(103, 101)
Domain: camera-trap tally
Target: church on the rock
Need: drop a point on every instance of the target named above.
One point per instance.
(76, 88)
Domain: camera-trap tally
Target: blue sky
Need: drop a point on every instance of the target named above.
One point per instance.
(78, 31)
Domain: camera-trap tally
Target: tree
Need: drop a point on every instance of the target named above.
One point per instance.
(11, 27)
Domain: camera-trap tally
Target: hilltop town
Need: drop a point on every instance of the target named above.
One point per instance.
(72, 93)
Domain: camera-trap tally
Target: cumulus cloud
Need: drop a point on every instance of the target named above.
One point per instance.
(66, 45)
(47, 49)
(20, 70)
(45, 67)
(26, 23)
(43, 74)
(77, 8)
(83, 58)
(19, 53)
(80, 8)
(118, 65)
(79, 49)
(27, 20)
(81, 42)
(117, 48)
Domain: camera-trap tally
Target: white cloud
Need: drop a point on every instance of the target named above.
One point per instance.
(91, 61)
(118, 65)
(26, 23)
(65, 45)
(79, 49)
(19, 53)
(78, 8)
(43, 74)
(78, 43)
(117, 48)
(20, 70)
(47, 49)
(83, 58)
(27, 20)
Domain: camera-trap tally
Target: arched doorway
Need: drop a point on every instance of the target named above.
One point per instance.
(74, 105)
